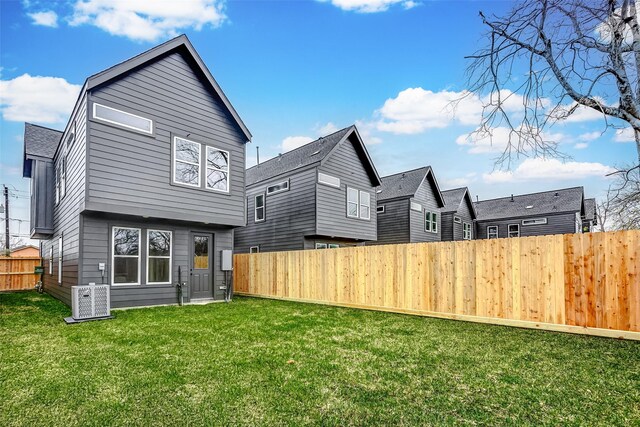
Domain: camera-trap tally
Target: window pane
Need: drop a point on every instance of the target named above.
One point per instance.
(352, 209)
(364, 212)
(201, 252)
(187, 151)
(278, 187)
(365, 198)
(125, 270)
(158, 269)
(259, 214)
(159, 243)
(120, 117)
(125, 241)
(352, 195)
(217, 159)
(187, 173)
(217, 180)
(259, 201)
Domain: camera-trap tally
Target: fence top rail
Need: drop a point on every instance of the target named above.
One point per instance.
(19, 258)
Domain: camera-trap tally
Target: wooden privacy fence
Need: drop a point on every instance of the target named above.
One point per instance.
(17, 273)
(585, 283)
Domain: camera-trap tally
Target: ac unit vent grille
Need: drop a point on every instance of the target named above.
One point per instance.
(90, 301)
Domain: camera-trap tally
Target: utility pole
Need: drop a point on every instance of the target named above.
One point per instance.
(6, 218)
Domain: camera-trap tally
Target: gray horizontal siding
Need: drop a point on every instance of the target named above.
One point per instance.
(425, 196)
(289, 215)
(452, 230)
(556, 224)
(130, 173)
(393, 224)
(97, 248)
(332, 218)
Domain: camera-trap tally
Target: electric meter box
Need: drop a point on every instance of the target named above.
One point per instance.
(227, 260)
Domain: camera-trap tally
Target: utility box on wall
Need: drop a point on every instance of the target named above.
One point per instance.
(227, 260)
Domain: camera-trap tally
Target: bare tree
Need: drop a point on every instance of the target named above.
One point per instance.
(14, 242)
(573, 54)
(621, 209)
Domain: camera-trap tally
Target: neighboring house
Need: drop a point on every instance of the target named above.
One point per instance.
(590, 218)
(26, 251)
(321, 195)
(146, 180)
(535, 214)
(458, 215)
(409, 207)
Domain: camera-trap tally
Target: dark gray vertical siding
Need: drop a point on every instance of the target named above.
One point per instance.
(289, 215)
(97, 249)
(452, 230)
(564, 223)
(447, 226)
(332, 218)
(130, 172)
(425, 196)
(66, 215)
(393, 224)
(42, 196)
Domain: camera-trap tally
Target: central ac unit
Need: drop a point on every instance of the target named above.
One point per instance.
(90, 301)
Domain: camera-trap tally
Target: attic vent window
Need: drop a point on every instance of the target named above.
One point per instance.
(332, 181)
(276, 188)
(529, 207)
(122, 118)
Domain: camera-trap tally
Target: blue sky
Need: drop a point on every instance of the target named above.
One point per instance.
(295, 70)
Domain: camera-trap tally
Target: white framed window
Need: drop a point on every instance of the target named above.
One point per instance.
(492, 232)
(365, 205)
(186, 162)
(159, 257)
(321, 246)
(332, 181)
(277, 188)
(217, 178)
(430, 221)
(51, 260)
(534, 221)
(125, 256)
(122, 118)
(60, 260)
(333, 246)
(352, 202)
(254, 249)
(259, 208)
(457, 219)
(380, 209)
(513, 230)
(466, 231)
(61, 177)
(416, 206)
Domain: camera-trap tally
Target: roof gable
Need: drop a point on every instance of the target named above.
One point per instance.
(39, 141)
(406, 184)
(182, 44)
(455, 197)
(533, 204)
(354, 137)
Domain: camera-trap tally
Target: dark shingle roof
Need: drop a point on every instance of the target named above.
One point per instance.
(589, 209)
(546, 202)
(40, 141)
(308, 154)
(453, 199)
(402, 184)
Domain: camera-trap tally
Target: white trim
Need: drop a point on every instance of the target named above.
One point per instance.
(51, 260)
(464, 231)
(113, 229)
(255, 208)
(333, 246)
(326, 179)
(320, 244)
(457, 219)
(160, 257)
(175, 160)
(60, 250)
(380, 209)
(357, 203)
(534, 221)
(488, 235)
(149, 132)
(286, 188)
(415, 206)
(361, 205)
(509, 231)
(433, 223)
(206, 169)
(257, 249)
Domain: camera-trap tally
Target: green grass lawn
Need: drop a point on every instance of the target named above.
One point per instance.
(262, 362)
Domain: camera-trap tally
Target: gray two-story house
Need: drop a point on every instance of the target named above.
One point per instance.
(318, 196)
(590, 218)
(145, 184)
(534, 214)
(409, 207)
(458, 215)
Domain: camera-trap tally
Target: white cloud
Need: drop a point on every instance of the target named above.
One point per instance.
(144, 20)
(327, 129)
(578, 114)
(497, 140)
(293, 142)
(371, 6)
(581, 145)
(367, 132)
(47, 19)
(624, 135)
(590, 136)
(548, 169)
(37, 99)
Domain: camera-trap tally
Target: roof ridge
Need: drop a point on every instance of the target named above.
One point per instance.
(302, 146)
(529, 194)
(407, 171)
(457, 188)
(43, 127)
